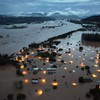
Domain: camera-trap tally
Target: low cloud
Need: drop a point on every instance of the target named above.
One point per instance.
(69, 11)
(77, 11)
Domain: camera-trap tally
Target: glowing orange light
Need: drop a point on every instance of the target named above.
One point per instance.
(94, 75)
(16, 58)
(32, 52)
(24, 72)
(43, 80)
(97, 56)
(96, 61)
(23, 58)
(65, 68)
(44, 72)
(54, 83)
(64, 62)
(26, 80)
(74, 84)
(20, 61)
(96, 65)
(70, 61)
(60, 56)
(82, 64)
(39, 92)
(26, 56)
(69, 54)
(39, 57)
(47, 60)
(22, 66)
(22, 50)
(98, 70)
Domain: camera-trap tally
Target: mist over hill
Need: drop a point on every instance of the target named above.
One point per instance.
(34, 17)
(41, 17)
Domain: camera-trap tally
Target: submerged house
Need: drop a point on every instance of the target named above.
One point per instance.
(51, 70)
(35, 81)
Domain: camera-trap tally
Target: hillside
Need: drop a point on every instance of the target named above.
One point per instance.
(95, 18)
(5, 20)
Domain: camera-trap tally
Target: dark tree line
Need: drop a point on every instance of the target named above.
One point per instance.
(20, 96)
(91, 37)
(6, 59)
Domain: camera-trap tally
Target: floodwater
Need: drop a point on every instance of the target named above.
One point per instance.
(69, 70)
(66, 90)
(19, 38)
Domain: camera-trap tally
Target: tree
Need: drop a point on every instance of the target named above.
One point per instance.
(87, 67)
(88, 95)
(21, 96)
(62, 61)
(81, 80)
(55, 87)
(19, 72)
(80, 48)
(10, 96)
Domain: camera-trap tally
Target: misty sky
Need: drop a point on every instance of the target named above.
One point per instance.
(76, 7)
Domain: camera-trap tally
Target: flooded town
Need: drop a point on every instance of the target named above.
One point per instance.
(49, 50)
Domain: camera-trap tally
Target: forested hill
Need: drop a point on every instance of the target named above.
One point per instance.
(95, 18)
(5, 20)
